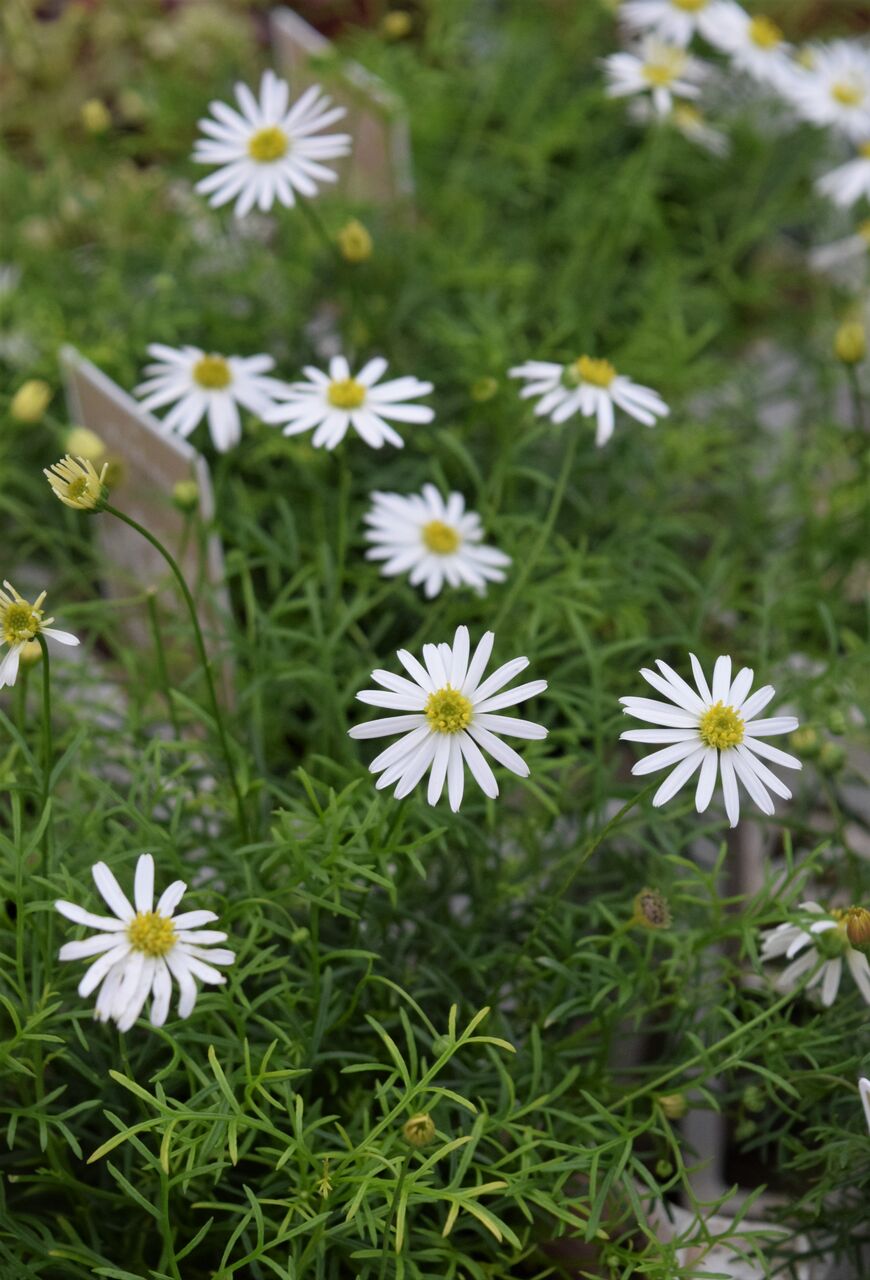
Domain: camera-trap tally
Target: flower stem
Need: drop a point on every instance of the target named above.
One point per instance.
(161, 661)
(316, 222)
(204, 660)
(47, 758)
(857, 397)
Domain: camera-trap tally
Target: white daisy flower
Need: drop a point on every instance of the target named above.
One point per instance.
(20, 623)
(591, 387)
(447, 716)
(678, 20)
(688, 121)
(834, 89)
(843, 253)
(434, 539)
(266, 152)
(714, 731)
(823, 940)
(332, 403)
(139, 951)
(757, 46)
(850, 182)
(864, 1090)
(665, 71)
(201, 384)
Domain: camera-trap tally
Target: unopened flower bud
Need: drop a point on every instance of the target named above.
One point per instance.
(674, 1105)
(185, 496)
(858, 928)
(95, 116)
(806, 741)
(30, 652)
(850, 342)
(651, 910)
(419, 1130)
(396, 25)
(753, 1099)
(832, 757)
(30, 400)
(81, 442)
(483, 389)
(355, 242)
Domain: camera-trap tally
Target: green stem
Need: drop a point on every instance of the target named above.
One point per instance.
(162, 670)
(392, 1217)
(549, 524)
(203, 659)
(316, 222)
(47, 757)
(857, 395)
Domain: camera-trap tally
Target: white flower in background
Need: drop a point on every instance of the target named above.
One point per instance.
(447, 716)
(834, 89)
(590, 387)
(714, 731)
(433, 539)
(678, 20)
(201, 384)
(665, 71)
(332, 403)
(850, 182)
(864, 1090)
(688, 120)
(10, 278)
(267, 152)
(757, 46)
(140, 950)
(820, 938)
(842, 253)
(20, 623)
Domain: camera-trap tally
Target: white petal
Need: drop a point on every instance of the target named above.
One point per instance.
(678, 778)
(111, 892)
(143, 885)
(707, 779)
(721, 678)
(729, 788)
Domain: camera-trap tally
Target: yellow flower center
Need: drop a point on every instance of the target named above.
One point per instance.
(764, 32)
(441, 538)
(661, 74)
(721, 727)
(848, 95)
(268, 144)
(20, 622)
(864, 150)
(599, 373)
(690, 6)
(448, 710)
(212, 372)
(347, 393)
(152, 933)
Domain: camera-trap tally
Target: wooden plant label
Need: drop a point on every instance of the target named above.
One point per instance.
(378, 170)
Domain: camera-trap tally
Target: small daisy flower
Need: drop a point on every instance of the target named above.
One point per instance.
(77, 483)
(849, 183)
(200, 385)
(266, 150)
(688, 121)
(834, 88)
(434, 539)
(447, 716)
(843, 252)
(20, 623)
(665, 71)
(332, 403)
(141, 948)
(591, 387)
(757, 46)
(822, 938)
(864, 1090)
(714, 731)
(678, 20)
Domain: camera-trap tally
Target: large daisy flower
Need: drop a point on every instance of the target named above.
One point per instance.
(714, 730)
(850, 182)
(20, 623)
(679, 20)
(208, 385)
(432, 539)
(447, 716)
(835, 88)
(820, 939)
(332, 402)
(591, 387)
(267, 152)
(665, 71)
(142, 947)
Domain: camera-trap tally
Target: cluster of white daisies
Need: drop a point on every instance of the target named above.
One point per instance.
(826, 84)
(445, 710)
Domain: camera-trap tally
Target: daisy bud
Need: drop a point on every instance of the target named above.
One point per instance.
(850, 342)
(664, 1168)
(185, 496)
(30, 400)
(753, 1099)
(419, 1130)
(95, 116)
(832, 757)
(674, 1105)
(483, 389)
(396, 25)
(651, 910)
(81, 442)
(806, 741)
(30, 653)
(858, 928)
(354, 242)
